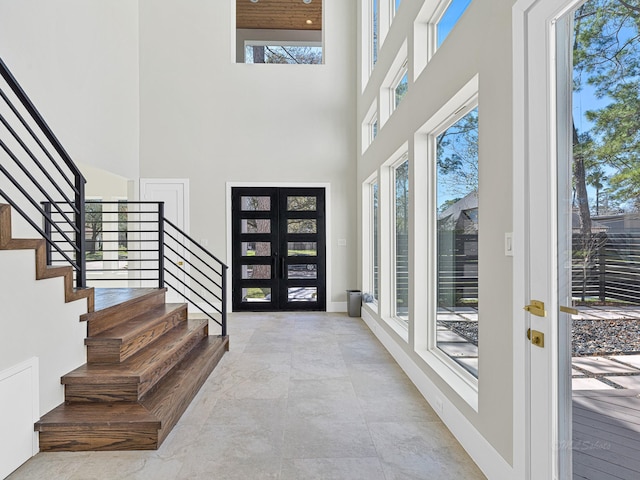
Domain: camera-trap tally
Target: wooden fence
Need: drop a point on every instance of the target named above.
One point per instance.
(606, 266)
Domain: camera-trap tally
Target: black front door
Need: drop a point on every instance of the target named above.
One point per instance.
(278, 249)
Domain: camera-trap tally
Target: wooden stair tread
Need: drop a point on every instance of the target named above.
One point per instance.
(97, 414)
(108, 313)
(112, 297)
(140, 365)
(137, 325)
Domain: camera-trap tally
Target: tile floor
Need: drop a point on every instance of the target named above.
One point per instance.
(299, 396)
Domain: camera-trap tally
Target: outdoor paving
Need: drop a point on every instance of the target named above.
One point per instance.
(588, 372)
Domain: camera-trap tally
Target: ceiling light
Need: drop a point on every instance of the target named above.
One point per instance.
(253, 1)
(303, 1)
(309, 22)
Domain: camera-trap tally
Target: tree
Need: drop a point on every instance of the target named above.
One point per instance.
(606, 54)
(457, 157)
(93, 222)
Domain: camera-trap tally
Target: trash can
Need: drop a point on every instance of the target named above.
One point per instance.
(354, 302)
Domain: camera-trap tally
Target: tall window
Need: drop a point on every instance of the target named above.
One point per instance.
(375, 22)
(375, 241)
(457, 241)
(401, 253)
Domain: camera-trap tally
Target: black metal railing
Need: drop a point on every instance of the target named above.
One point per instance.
(35, 169)
(132, 244)
(107, 243)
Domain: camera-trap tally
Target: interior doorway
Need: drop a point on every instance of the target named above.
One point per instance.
(278, 249)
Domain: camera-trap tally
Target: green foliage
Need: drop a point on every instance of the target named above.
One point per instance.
(457, 157)
(607, 57)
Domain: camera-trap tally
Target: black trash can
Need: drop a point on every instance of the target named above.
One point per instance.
(354, 302)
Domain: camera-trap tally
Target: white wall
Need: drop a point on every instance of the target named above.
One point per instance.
(213, 121)
(35, 322)
(78, 62)
(480, 44)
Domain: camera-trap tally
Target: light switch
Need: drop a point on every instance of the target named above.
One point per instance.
(342, 242)
(508, 244)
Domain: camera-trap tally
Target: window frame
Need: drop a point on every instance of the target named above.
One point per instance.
(393, 294)
(397, 81)
(370, 128)
(425, 234)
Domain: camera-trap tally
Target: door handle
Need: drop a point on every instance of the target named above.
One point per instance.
(569, 310)
(282, 267)
(536, 307)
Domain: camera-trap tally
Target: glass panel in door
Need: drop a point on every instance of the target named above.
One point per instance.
(599, 239)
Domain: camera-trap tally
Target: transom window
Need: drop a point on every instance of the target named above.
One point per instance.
(449, 18)
(283, 52)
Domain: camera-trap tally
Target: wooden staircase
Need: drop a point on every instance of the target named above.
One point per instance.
(145, 362)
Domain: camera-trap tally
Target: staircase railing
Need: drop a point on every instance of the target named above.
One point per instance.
(131, 244)
(35, 168)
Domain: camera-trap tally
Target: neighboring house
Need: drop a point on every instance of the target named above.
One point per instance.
(462, 216)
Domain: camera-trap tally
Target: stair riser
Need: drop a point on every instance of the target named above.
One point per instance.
(165, 367)
(100, 393)
(111, 351)
(170, 414)
(80, 439)
(110, 317)
(125, 390)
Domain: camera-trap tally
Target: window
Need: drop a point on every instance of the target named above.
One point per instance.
(375, 22)
(374, 238)
(265, 35)
(370, 127)
(284, 52)
(457, 240)
(432, 26)
(396, 5)
(400, 89)
(394, 86)
(449, 18)
(401, 237)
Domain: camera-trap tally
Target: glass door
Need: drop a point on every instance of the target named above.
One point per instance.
(278, 249)
(598, 216)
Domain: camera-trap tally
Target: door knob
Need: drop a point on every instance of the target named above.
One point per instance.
(536, 307)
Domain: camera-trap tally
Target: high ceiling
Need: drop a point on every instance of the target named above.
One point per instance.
(279, 14)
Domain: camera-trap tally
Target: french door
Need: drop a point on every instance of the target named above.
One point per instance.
(278, 249)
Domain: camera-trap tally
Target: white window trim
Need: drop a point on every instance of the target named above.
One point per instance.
(388, 88)
(368, 262)
(404, 70)
(425, 308)
(425, 34)
(367, 126)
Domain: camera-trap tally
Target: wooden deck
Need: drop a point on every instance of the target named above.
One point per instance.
(606, 435)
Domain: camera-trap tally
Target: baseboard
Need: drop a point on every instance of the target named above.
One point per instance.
(336, 307)
(483, 454)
